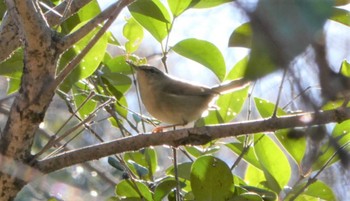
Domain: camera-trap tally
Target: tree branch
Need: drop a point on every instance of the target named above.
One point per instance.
(9, 33)
(74, 62)
(193, 136)
(111, 12)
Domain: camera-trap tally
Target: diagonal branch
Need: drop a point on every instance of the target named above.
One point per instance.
(110, 13)
(192, 136)
(74, 62)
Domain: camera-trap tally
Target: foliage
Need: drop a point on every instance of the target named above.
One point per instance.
(270, 158)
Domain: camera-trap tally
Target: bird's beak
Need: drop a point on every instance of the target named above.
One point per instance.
(135, 67)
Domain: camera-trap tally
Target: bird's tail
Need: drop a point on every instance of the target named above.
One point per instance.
(232, 85)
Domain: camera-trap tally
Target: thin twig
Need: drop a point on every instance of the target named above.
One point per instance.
(313, 179)
(279, 93)
(75, 61)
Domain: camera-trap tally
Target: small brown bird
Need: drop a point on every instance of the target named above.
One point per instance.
(174, 101)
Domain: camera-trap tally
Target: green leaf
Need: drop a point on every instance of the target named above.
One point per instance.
(127, 189)
(13, 85)
(210, 3)
(248, 197)
(340, 133)
(121, 82)
(276, 28)
(316, 191)
(163, 188)
(183, 170)
(249, 156)
(211, 179)
(80, 93)
(89, 11)
(115, 163)
(146, 158)
(345, 68)
(267, 195)
(230, 105)
(140, 170)
(198, 151)
(295, 146)
(204, 53)
(88, 64)
(2, 9)
(133, 31)
(84, 14)
(13, 66)
(266, 108)
(255, 177)
(341, 2)
(118, 65)
(153, 16)
(177, 7)
(241, 36)
(238, 69)
(341, 15)
(273, 161)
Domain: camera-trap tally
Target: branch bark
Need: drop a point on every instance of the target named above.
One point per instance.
(193, 136)
(27, 111)
(10, 35)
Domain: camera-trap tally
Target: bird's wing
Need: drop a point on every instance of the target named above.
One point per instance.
(178, 87)
(231, 86)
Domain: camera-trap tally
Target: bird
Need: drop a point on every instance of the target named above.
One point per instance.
(174, 101)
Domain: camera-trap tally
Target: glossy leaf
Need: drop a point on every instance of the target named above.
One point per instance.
(115, 163)
(267, 195)
(341, 134)
(121, 82)
(266, 108)
(118, 65)
(163, 188)
(248, 197)
(84, 14)
(177, 7)
(274, 162)
(79, 97)
(211, 179)
(255, 177)
(13, 66)
(146, 158)
(13, 85)
(153, 16)
(88, 64)
(204, 53)
(295, 146)
(127, 189)
(198, 151)
(345, 68)
(229, 106)
(238, 69)
(132, 31)
(341, 15)
(183, 169)
(241, 36)
(249, 156)
(316, 191)
(209, 3)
